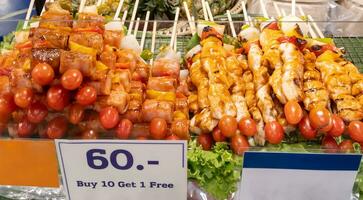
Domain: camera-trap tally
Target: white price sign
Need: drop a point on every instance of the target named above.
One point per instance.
(298, 176)
(123, 169)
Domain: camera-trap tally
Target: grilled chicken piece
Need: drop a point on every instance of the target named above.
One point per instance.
(108, 58)
(268, 38)
(292, 72)
(55, 17)
(113, 38)
(153, 108)
(165, 84)
(203, 122)
(50, 56)
(119, 98)
(220, 101)
(166, 67)
(75, 60)
(339, 84)
(128, 58)
(200, 80)
(89, 21)
(262, 88)
(316, 95)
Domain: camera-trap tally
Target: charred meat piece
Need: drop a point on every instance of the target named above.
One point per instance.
(108, 58)
(113, 38)
(164, 84)
(75, 60)
(50, 56)
(88, 39)
(153, 108)
(49, 38)
(89, 21)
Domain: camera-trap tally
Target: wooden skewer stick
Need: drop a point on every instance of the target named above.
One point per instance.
(43, 9)
(251, 21)
(311, 30)
(173, 34)
(118, 10)
(231, 23)
(175, 43)
(263, 8)
(210, 15)
(245, 15)
(123, 20)
(277, 9)
(99, 2)
(153, 39)
(293, 7)
(81, 6)
(205, 14)
(283, 13)
(137, 26)
(146, 23)
(133, 17)
(190, 21)
(320, 34)
(28, 14)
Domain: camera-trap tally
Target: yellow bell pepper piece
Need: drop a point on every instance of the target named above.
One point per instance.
(161, 96)
(82, 49)
(100, 66)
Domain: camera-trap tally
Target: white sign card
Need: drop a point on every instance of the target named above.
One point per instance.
(123, 169)
(298, 176)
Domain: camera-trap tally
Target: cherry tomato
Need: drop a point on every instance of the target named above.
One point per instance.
(7, 104)
(76, 113)
(57, 97)
(306, 130)
(158, 128)
(355, 130)
(71, 79)
(23, 97)
(206, 140)
(274, 132)
(329, 144)
(180, 128)
(247, 126)
(320, 118)
(37, 112)
(217, 135)
(123, 129)
(273, 26)
(346, 146)
(172, 137)
(25, 128)
(239, 144)
(86, 95)
(89, 134)
(293, 112)
(109, 117)
(57, 127)
(43, 74)
(228, 126)
(338, 126)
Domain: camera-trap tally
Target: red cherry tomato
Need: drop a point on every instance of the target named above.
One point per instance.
(57, 127)
(180, 128)
(306, 130)
(25, 128)
(274, 132)
(228, 126)
(158, 128)
(71, 79)
(355, 130)
(217, 135)
(329, 144)
(57, 97)
(346, 146)
(248, 127)
(172, 137)
(273, 26)
(76, 114)
(37, 112)
(109, 117)
(123, 129)
(320, 118)
(7, 104)
(43, 74)
(239, 144)
(338, 126)
(86, 95)
(23, 97)
(206, 141)
(293, 112)
(89, 135)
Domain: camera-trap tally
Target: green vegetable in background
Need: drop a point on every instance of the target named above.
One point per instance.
(217, 171)
(7, 42)
(194, 41)
(146, 54)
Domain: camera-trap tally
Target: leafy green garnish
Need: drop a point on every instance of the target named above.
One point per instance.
(7, 42)
(194, 41)
(227, 39)
(245, 26)
(217, 171)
